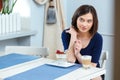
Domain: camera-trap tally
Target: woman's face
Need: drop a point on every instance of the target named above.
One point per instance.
(85, 22)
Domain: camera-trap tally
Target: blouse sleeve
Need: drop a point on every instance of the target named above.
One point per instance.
(98, 42)
(65, 39)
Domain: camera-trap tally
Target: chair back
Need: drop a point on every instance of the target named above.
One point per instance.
(29, 50)
(103, 58)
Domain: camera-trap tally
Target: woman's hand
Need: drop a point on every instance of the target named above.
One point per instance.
(77, 47)
(72, 31)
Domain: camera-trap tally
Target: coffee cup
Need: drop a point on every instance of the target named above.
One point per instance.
(86, 61)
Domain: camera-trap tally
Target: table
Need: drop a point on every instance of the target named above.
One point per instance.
(77, 74)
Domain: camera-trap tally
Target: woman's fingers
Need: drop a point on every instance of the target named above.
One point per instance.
(71, 31)
(77, 46)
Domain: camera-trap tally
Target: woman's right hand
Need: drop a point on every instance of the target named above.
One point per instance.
(72, 31)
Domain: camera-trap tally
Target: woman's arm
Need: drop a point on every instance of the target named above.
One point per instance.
(69, 44)
(70, 52)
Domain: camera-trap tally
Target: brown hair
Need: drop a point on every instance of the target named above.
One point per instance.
(82, 10)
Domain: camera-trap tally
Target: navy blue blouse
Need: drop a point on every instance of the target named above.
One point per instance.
(94, 47)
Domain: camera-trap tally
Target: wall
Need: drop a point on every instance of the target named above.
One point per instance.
(37, 20)
(105, 11)
(32, 19)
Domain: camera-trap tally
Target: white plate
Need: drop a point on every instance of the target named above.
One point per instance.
(60, 64)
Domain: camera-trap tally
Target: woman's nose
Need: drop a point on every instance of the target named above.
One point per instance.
(84, 24)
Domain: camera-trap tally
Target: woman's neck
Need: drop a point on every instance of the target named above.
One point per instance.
(86, 35)
(85, 38)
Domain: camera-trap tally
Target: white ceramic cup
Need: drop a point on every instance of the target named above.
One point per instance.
(61, 57)
(86, 61)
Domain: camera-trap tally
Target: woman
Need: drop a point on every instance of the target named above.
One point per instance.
(82, 37)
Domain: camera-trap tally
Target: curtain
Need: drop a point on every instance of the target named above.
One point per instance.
(52, 32)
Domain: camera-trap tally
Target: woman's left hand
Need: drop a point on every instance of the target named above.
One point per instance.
(77, 47)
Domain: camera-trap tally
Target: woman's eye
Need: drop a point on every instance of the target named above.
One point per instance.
(81, 20)
(89, 21)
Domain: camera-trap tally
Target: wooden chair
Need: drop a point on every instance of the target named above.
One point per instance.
(29, 50)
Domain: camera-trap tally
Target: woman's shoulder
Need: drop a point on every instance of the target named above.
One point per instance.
(66, 29)
(97, 35)
(64, 32)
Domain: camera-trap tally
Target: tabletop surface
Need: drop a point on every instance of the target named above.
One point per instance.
(39, 68)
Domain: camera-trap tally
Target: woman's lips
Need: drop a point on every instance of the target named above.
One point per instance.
(83, 28)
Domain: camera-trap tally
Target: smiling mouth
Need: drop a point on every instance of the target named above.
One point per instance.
(83, 28)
